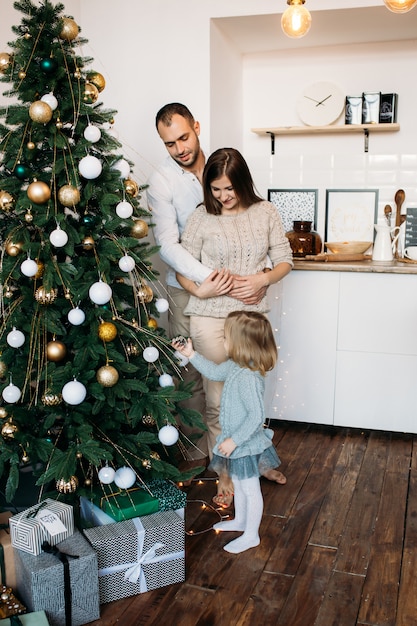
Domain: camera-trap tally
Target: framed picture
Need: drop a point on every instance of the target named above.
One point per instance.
(351, 214)
(295, 205)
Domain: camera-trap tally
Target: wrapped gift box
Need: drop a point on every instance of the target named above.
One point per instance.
(30, 528)
(41, 584)
(7, 567)
(98, 510)
(29, 619)
(138, 555)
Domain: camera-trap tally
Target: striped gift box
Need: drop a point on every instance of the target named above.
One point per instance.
(27, 532)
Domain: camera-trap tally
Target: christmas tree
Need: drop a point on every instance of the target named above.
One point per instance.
(87, 374)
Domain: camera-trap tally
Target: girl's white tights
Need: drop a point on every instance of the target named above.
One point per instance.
(248, 515)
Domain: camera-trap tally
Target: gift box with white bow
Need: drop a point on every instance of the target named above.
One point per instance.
(138, 555)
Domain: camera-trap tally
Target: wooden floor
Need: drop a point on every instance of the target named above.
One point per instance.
(338, 542)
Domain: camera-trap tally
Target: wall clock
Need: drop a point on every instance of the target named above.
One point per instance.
(321, 104)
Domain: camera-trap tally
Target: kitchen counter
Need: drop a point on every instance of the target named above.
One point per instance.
(393, 267)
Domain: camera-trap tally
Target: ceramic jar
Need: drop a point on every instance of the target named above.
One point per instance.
(303, 240)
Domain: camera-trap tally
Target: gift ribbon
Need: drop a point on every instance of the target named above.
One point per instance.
(63, 557)
(134, 571)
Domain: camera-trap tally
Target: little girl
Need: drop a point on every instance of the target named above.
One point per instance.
(251, 350)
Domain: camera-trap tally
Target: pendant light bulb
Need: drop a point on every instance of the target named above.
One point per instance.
(296, 20)
(400, 6)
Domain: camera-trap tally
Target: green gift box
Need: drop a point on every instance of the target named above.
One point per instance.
(29, 619)
(126, 504)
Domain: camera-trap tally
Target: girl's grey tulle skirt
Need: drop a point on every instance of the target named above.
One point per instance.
(246, 466)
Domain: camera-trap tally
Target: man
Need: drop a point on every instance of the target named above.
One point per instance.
(174, 192)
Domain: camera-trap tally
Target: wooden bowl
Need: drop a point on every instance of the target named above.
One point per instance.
(348, 247)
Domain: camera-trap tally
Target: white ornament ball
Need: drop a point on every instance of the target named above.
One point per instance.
(182, 360)
(124, 209)
(90, 167)
(92, 133)
(76, 316)
(125, 478)
(166, 380)
(162, 305)
(58, 238)
(168, 435)
(15, 338)
(106, 475)
(123, 167)
(74, 392)
(50, 99)
(100, 293)
(11, 394)
(150, 354)
(126, 263)
(29, 267)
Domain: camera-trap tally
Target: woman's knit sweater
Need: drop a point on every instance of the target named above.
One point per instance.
(241, 243)
(242, 410)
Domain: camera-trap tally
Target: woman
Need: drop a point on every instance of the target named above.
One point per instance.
(241, 235)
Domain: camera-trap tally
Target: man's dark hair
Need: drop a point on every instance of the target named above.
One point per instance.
(165, 114)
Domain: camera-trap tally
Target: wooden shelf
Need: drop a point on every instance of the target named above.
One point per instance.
(319, 130)
(322, 130)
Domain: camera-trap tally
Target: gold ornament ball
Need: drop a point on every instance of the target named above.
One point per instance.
(107, 376)
(88, 243)
(152, 323)
(146, 464)
(22, 74)
(8, 430)
(139, 229)
(145, 294)
(25, 458)
(3, 413)
(4, 61)
(13, 249)
(56, 351)
(45, 297)
(155, 455)
(40, 111)
(28, 217)
(67, 486)
(148, 420)
(51, 399)
(97, 79)
(90, 93)
(30, 145)
(69, 30)
(6, 201)
(107, 331)
(87, 482)
(131, 187)
(59, 124)
(38, 192)
(8, 293)
(41, 269)
(68, 195)
(77, 74)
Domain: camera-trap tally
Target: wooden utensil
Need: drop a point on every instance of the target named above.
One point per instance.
(399, 199)
(388, 214)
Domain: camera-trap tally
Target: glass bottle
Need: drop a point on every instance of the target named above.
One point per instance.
(303, 240)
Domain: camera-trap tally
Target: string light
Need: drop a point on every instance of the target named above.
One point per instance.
(296, 20)
(205, 505)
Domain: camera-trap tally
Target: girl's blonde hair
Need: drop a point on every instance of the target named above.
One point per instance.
(251, 341)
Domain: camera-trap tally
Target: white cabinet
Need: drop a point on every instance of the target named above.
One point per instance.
(348, 350)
